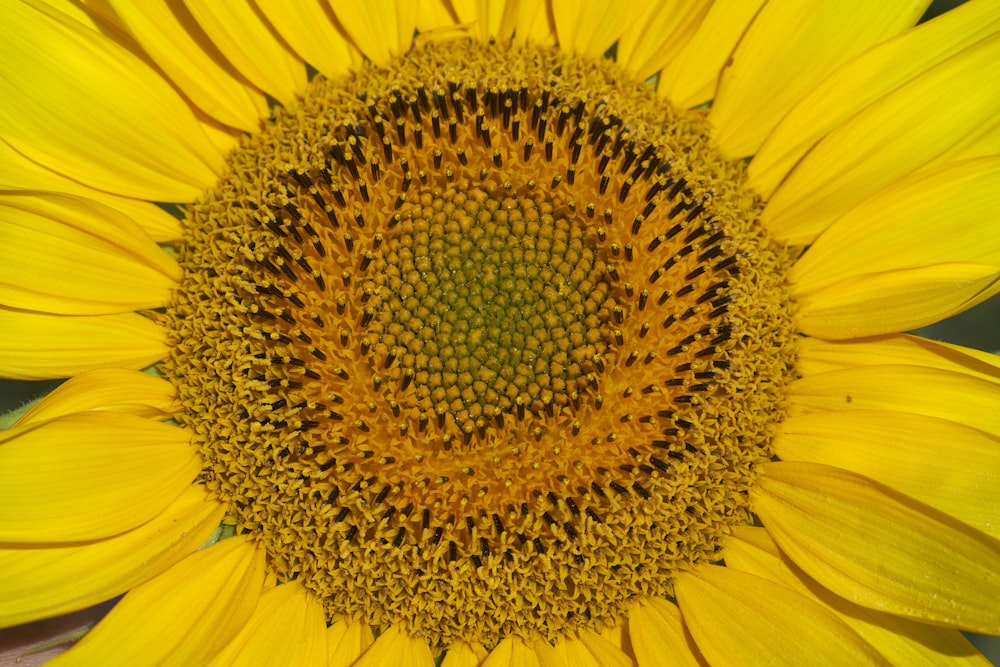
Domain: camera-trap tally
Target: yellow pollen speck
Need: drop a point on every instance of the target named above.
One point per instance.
(472, 343)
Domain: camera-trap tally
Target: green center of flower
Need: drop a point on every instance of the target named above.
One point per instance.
(485, 342)
(489, 305)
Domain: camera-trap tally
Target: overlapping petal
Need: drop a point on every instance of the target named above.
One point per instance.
(104, 473)
(184, 616)
(43, 581)
(691, 78)
(176, 43)
(767, 75)
(464, 654)
(535, 24)
(950, 395)
(657, 633)
(73, 256)
(346, 640)
(879, 549)
(864, 80)
(113, 389)
(741, 619)
(903, 642)
(896, 135)
(946, 465)
(492, 18)
(37, 346)
(819, 356)
(896, 300)
(247, 42)
(654, 38)
(928, 218)
(512, 651)
(395, 647)
(379, 29)
(592, 32)
(908, 256)
(18, 174)
(587, 650)
(137, 137)
(287, 628)
(309, 29)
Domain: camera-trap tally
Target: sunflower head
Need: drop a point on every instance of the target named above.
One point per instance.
(443, 363)
(530, 335)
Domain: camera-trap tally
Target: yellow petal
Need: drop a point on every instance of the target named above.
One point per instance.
(34, 346)
(47, 581)
(566, 651)
(464, 654)
(935, 216)
(948, 466)
(492, 18)
(512, 652)
(819, 356)
(184, 616)
(896, 300)
(788, 50)
(236, 30)
(79, 104)
(172, 38)
(740, 619)
(309, 28)
(591, 31)
(18, 173)
(981, 142)
(658, 635)
(864, 80)
(957, 397)
(287, 628)
(616, 634)
(112, 389)
(894, 136)
(656, 35)
(223, 137)
(605, 652)
(691, 78)
(868, 544)
(380, 29)
(395, 647)
(569, 651)
(535, 24)
(72, 256)
(346, 640)
(89, 16)
(435, 15)
(89, 475)
(901, 641)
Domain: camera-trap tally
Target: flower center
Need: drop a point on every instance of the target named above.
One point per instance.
(484, 342)
(490, 304)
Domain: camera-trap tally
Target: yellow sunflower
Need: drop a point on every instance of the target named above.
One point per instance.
(485, 333)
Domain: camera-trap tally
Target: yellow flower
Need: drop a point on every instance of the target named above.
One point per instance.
(467, 344)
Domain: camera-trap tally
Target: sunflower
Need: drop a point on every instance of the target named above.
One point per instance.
(501, 333)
